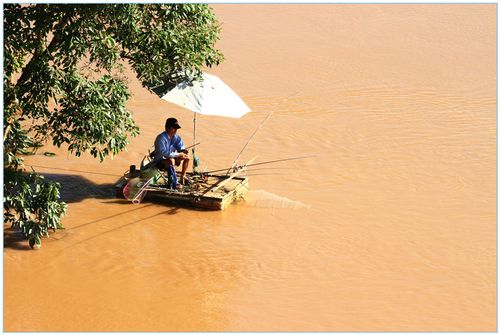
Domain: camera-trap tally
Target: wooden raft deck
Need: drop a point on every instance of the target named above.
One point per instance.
(204, 194)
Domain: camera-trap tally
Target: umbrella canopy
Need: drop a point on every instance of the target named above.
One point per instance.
(210, 96)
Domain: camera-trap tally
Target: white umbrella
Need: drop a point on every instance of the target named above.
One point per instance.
(208, 96)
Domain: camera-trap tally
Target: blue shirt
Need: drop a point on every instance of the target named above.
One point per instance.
(166, 147)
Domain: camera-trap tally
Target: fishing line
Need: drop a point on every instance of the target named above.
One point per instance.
(263, 174)
(54, 168)
(270, 168)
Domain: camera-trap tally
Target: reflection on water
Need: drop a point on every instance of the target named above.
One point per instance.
(264, 199)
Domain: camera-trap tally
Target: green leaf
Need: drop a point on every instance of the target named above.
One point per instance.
(38, 240)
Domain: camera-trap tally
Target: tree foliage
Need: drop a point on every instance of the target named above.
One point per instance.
(64, 83)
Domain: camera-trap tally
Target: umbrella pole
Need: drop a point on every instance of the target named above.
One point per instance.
(194, 141)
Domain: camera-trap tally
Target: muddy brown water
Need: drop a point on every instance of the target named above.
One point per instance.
(391, 227)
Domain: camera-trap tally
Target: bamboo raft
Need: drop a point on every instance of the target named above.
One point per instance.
(212, 192)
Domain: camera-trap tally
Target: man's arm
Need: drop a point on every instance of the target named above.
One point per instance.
(179, 146)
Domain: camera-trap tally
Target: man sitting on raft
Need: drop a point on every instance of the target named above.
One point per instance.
(170, 151)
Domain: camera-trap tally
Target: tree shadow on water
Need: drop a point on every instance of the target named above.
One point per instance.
(75, 188)
(14, 239)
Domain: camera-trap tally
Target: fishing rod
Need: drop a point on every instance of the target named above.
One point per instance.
(255, 132)
(251, 137)
(191, 146)
(253, 170)
(268, 162)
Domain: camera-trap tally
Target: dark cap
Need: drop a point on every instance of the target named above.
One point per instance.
(172, 123)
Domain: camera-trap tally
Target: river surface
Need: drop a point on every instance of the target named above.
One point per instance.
(391, 226)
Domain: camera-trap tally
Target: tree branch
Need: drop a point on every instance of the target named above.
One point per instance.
(27, 71)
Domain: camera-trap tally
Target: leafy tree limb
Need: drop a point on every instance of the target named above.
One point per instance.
(63, 83)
